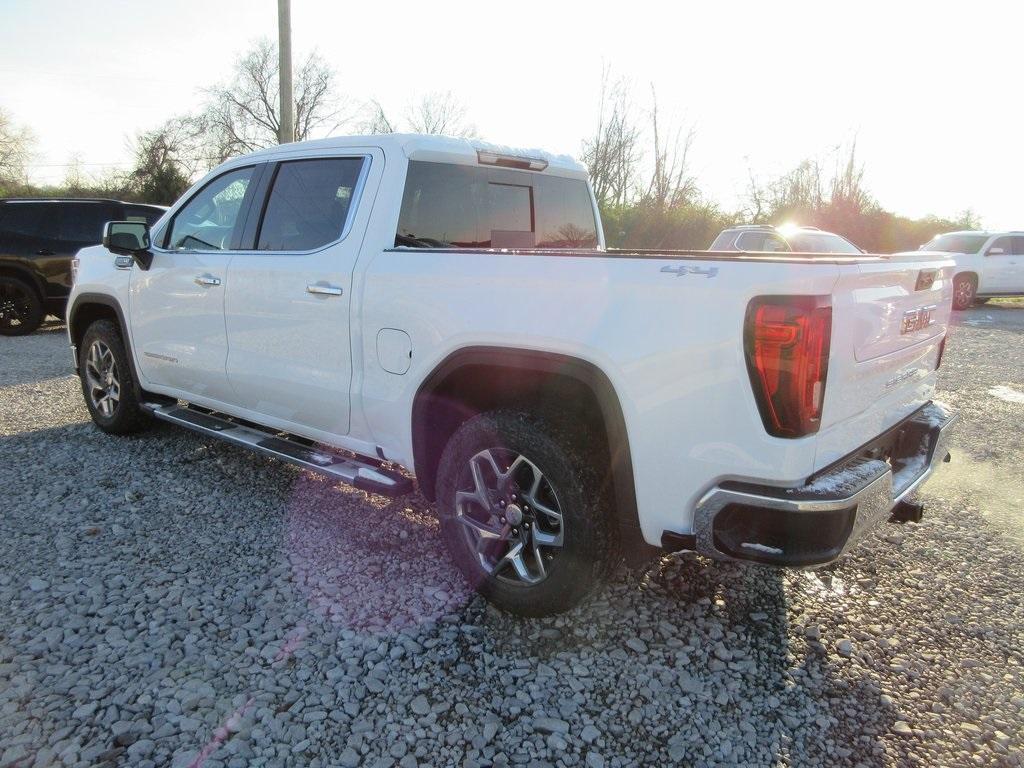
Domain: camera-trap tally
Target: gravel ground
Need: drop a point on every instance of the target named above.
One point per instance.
(171, 601)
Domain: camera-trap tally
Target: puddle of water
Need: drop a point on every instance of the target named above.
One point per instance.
(1009, 394)
(995, 490)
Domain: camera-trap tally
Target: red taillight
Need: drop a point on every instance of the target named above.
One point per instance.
(787, 344)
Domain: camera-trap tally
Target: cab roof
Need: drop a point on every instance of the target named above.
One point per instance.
(443, 149)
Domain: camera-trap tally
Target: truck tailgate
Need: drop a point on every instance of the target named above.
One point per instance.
(888, 324)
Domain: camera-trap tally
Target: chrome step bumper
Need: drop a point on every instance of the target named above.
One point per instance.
(815, 523)
(363, 473)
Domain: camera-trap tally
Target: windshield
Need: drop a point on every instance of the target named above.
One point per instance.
(955, 243)
(821, 242)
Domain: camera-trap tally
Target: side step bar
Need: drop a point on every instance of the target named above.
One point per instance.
(364, 474)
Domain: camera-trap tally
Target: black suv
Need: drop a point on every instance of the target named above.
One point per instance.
(38, 239)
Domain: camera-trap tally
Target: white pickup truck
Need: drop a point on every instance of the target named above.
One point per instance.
(361, 305)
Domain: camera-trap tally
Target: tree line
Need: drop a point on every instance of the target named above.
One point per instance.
(639, 161)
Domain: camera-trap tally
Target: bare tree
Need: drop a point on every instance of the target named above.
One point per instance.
(15, 149)
(75, 180)
(847, 186)
(167, 158)
(757, 202)
(442, 113)
(671, 184)
(613, 153)
(378, 121)
(438, 113)
(800, 193)
(242, 116)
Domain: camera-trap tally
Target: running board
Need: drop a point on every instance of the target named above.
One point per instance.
(364, 474)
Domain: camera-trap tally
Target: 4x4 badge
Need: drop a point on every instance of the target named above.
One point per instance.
(681, 270)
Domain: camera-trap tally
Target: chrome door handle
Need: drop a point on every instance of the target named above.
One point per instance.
(324, 290)
(207, 280)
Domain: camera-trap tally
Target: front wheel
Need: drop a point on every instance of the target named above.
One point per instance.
(107, 383)
(525, 514)
(963, 292)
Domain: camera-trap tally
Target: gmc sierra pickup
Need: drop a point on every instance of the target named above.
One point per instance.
(361, 305)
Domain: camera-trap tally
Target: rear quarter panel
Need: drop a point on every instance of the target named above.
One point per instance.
(669, 342)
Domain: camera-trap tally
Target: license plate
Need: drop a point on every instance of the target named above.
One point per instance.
(916, 319)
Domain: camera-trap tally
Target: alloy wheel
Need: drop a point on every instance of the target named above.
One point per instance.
(15, 306)
(964, 293)
(510, 516)
(101, 376)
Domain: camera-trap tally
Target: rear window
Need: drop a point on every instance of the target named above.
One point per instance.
(458, 206)
(955, 243)
(142, 213)
(821, 242)
(760, 241)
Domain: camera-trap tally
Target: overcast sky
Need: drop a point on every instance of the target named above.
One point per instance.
(929, 90)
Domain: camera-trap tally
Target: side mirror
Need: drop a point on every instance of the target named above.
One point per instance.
(129, 238)
(995, 251)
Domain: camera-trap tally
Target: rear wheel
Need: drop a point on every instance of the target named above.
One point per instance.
(964, 289)
(107, 383)
(21, 310)
(524, 514)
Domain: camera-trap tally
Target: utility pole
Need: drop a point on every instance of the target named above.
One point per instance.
(286, 130)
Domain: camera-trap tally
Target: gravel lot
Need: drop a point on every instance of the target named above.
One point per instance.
(166, 600)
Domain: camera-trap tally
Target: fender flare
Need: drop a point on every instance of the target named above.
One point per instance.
(110, 302)
(578, 369)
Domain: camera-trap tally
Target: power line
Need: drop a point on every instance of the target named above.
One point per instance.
(87, 75)
(70, 165)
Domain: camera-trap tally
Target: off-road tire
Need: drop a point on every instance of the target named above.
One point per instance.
(127, 415)
(590, 550)
(21, 308)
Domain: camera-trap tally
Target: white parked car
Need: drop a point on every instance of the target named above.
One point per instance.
(360, 305)
(988, 264)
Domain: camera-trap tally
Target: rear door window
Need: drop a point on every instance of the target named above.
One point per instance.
(310, 203)
(457, 206)
(30, 220)
(1003, 243)
(1018, 245)
(83, 222)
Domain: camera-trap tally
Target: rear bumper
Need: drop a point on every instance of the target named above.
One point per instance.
(819, 521)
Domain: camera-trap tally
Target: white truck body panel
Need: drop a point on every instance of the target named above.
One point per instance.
(329, 368)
